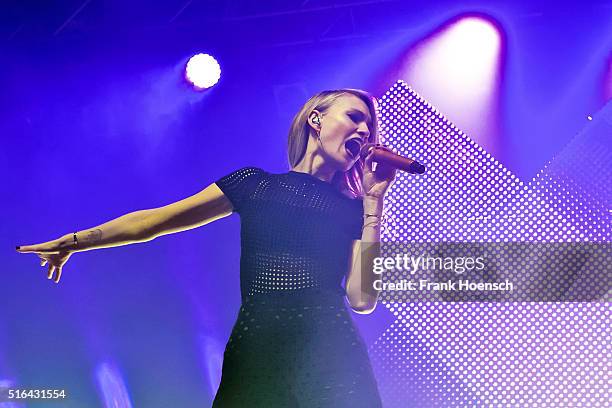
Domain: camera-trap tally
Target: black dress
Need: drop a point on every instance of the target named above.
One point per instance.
(294, 343)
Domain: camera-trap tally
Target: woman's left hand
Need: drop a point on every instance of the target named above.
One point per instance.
(377, 182)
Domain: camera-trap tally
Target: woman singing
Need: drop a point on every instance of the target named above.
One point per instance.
(294, 343)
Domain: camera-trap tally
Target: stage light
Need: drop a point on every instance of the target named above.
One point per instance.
(202, 71)
(457, 68)
(111, 386)
(462, 56)
(212, 360)
(473, 38)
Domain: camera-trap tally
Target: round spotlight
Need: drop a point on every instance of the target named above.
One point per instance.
(202, 71)
(475, 39)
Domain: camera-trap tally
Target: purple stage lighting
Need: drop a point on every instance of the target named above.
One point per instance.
(111, 386)
(474, 38)
(458, 67)
(202, 71)
(464, 55)
(608, 81)
(447, 354)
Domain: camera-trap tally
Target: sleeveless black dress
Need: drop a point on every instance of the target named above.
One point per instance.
(294, 343)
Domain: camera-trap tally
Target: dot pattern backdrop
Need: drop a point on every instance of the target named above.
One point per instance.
(503, 354)
(467, 195)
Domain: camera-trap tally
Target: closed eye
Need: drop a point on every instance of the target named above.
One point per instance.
(358, 117)
(354, 117)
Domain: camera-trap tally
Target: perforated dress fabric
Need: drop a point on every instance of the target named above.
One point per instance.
(294, 343)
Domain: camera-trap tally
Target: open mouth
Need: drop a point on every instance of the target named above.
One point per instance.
(353, 147)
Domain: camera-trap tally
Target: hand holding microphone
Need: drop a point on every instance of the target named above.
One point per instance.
(377, 182)
(381, 154)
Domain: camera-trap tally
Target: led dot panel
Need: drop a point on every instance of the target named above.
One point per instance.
(467, 195)
(507, 354)
(495, 355)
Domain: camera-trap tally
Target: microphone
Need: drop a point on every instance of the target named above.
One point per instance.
(382, 155)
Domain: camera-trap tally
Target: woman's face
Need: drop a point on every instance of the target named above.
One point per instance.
(343, 130)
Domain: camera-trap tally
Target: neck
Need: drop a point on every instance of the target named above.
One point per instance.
(314, 163)
(317, 171)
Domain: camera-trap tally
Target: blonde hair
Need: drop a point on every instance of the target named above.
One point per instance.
(300, 131)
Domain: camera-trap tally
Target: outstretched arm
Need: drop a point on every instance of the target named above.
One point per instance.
(142, 226)
(139, 226)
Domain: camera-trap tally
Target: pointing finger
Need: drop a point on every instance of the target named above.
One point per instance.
(46, 247)
(25, 249)
(59, 274)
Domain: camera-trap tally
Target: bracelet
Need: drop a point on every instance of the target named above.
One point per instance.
(74, 239)
(373, 224)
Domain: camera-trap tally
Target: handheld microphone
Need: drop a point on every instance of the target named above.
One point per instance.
(381, 155)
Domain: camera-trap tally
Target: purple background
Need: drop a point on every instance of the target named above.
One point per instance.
(97, 122)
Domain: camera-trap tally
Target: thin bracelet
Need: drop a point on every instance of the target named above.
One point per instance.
(74, 239)
(378, 218)
(372, 224)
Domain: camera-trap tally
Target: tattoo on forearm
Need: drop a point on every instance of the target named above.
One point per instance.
(93, 236)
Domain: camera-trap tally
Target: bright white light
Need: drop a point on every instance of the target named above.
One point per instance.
(474, 36)
(203, 71)
(461, 60)
(457, 71)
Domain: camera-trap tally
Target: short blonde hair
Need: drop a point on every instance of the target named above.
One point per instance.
(300, 131)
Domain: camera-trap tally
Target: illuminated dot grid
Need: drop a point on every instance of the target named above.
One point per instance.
(584, 166)
(572, 182)
(483, 354)
(467, 195)
(538, 271)
(495, 355)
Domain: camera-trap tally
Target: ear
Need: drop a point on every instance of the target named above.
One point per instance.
(314, 120)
